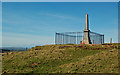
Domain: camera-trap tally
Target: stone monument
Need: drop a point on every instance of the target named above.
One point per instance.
(86, 38)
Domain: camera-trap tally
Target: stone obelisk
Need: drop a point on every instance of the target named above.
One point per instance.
(86, 38)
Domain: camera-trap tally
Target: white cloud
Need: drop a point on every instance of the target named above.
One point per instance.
(13, 39)
(0, 36)
(62, 16)
(0, 26)
(0, 41)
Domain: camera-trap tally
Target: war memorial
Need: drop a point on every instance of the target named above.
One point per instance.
(86, 36)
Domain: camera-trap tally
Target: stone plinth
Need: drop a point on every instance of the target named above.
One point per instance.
(86, 38)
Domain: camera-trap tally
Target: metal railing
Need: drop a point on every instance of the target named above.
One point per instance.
(77, 37)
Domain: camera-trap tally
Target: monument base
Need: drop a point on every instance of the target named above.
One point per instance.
(86, 38)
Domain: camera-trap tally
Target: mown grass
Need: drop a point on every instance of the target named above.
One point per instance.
(68, 58)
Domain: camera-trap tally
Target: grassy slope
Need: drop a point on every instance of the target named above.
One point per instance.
(63, 59)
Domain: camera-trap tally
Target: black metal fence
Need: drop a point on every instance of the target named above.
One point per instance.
(77, 37)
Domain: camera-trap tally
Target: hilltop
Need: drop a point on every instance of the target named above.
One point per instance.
(69, 58)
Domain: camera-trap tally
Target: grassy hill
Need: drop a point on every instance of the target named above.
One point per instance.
(67, 58)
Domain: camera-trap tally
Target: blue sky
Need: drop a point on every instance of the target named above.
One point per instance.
(31, 23)
(60, 0)
(0, 25)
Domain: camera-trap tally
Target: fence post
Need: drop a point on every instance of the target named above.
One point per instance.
(110, 40)
(55, 37)
(103, 39)
(93, 41)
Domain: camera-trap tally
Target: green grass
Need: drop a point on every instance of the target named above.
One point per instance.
(67, 58)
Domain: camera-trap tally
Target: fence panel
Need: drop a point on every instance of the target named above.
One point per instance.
(77, 37)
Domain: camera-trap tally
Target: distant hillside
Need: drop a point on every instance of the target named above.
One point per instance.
(14, 48)
(68, 58)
